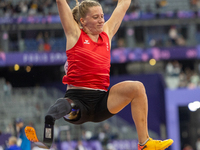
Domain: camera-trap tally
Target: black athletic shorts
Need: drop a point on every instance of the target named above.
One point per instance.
(92, 105)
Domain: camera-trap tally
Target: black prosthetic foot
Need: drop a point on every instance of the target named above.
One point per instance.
(48, 130)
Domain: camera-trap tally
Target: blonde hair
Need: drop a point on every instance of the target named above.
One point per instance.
(12, 140)
(80, 10)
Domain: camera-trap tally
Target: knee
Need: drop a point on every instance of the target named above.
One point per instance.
(134, 86)
(133, 89)
(138, 88)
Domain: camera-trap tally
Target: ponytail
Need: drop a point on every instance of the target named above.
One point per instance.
(77, 3)
(80, 10)
(76, 13)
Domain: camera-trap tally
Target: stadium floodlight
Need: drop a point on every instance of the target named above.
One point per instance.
(194, 106)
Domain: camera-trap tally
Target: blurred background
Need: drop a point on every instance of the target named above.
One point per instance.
(158, 44)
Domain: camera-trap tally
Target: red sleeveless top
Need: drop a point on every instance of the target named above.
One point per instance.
(89, 63)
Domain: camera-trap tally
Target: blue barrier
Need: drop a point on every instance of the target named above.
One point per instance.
(118, 55)
(138, 15)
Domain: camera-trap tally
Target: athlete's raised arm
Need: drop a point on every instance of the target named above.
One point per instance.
(114, 22)
(70, 26)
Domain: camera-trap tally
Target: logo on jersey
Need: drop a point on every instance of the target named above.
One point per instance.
(86, 42)
(107, 46)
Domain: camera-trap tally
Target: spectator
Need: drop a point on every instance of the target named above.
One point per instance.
(173, 35)
(8, 9)
(49, 3)
(47, 46)
(110, 147)
(80, 146)
(40, 40)
(182, 80)
(121, 43)
(194, 80)
(7, 88)
(23, 7)
(148, 9)
(134, 7)
(10, 129)
(33, 6)
(188, 73)
(106, 135)
(194, 4)
(26, 144)
(12, 144)
(21, 45)
(87, 135)
(180, 41)
(173, 68)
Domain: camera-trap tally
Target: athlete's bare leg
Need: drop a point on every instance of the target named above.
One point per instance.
(133, 92)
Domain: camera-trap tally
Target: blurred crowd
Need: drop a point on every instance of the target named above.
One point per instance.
(45, 7)
(179, 77)
(15, 138)
(27, 7)
(48, 7)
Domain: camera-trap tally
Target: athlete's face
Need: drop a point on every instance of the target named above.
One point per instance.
(94, 20)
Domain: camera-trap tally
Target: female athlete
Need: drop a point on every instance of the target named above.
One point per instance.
(88, 71)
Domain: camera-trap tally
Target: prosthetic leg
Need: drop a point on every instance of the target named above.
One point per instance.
(63, 107)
